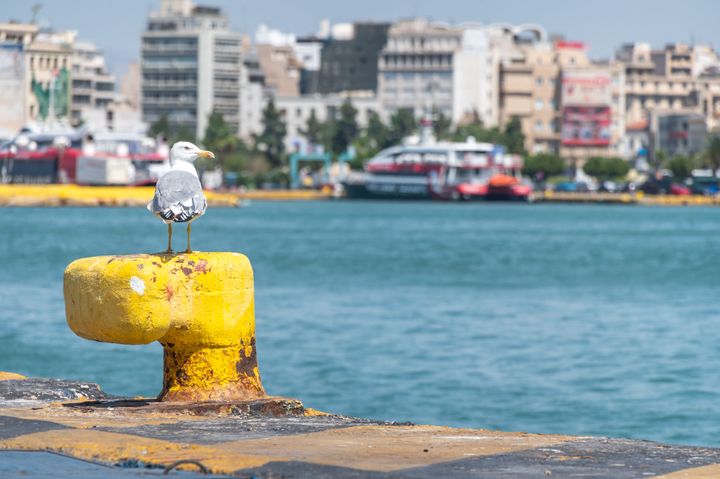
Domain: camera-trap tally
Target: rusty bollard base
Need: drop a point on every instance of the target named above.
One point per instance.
(199, 306)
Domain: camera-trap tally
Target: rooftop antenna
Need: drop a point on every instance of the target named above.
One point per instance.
(35, 10)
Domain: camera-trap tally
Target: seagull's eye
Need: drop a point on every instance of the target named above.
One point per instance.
(187, 147)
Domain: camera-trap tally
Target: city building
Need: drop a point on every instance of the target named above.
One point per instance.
(130, 85)
(191, 65)
(42, 85)
(92, 85)
(349, 58)
(677, 77)
(567, 104)
(252, 97)
(297, 110)
(454, 70)
(277, 57)
(308, 51)
(677, 132)
(416, 66)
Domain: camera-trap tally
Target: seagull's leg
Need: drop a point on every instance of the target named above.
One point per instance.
(169, 249)
(188, 250)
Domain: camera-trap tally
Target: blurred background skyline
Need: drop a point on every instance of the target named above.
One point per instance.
(603, 29)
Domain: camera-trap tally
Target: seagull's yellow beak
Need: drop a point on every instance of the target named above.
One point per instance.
(206, 154)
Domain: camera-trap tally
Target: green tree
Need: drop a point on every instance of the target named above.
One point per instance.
(441, 125)
(713, 153)
(545, 164)
(161, 127)
(183, 133)
(313, 130)
(681, 166)
(606, 168)
(346, 128)
(402, 124)
(514, 139)
(272, 139)
(219, 138)
(376, 131)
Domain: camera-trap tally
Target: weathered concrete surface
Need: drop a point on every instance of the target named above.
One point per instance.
(272, 437)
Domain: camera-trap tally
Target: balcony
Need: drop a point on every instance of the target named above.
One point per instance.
(169, 49)
(169, 65)
(169, 85)
(178, 101)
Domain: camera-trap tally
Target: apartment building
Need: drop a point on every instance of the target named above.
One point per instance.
(416, 67)
(276, 54)
(529, 89)
(92, 85)
(453, 69)
(191, 65)
(675, 78)
(566, 104)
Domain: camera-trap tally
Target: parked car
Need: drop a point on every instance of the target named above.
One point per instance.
(704, 185)
(572, 187)
(664, 186)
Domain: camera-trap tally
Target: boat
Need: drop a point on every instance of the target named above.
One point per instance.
(466, 170)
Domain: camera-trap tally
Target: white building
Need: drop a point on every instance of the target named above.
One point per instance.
(452, 69)
(415, 69)
(191, 64)
(252, 97)
(298, 110)
(92, 85)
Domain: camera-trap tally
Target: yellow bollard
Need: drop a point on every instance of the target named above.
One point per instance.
(199, 306)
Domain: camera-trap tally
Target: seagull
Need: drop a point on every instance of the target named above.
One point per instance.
(179, 196)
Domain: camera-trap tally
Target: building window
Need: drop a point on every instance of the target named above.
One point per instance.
(539, 104)
(539, 125)
(539, 81)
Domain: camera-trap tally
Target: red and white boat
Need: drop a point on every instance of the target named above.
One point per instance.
(442, 171)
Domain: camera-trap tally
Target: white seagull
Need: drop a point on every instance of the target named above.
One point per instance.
(179, 196)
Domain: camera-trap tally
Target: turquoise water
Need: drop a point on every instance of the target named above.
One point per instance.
(573, 319)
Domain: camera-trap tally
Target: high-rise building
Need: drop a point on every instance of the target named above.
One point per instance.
(190, 66)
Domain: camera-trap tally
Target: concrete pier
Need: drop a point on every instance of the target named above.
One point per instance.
(74, 428)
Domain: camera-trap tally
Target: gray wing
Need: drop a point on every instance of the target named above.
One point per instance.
(178, 197)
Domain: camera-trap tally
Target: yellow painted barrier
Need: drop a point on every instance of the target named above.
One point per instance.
(75, 195)
(199, 306)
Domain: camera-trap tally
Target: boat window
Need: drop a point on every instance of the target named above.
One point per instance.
(475, 158)
(421, 157)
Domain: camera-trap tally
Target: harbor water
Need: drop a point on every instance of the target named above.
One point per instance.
(574, 319)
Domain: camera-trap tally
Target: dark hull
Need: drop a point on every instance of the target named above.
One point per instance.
(386, 191)
(35, 171)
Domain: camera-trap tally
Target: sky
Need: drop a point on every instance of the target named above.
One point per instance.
(115, 25)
